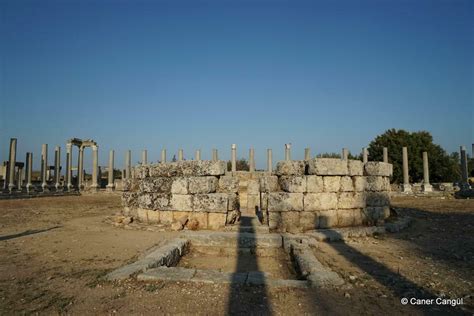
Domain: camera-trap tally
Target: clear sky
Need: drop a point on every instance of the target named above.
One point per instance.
(204, 74)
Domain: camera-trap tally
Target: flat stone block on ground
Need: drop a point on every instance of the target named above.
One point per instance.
(167, 274)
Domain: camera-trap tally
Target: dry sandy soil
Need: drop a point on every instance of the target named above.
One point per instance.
(55, 251)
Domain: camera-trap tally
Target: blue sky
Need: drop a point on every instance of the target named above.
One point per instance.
(204, 74)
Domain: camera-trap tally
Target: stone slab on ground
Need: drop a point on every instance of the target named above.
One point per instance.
(233, 239)
(167, 274)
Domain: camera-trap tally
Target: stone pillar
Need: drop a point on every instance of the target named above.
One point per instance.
(69, 166)
(365, 155)
(180, 155)
(287, 151)
(307, 154)
(29, 171)
(44, 167)
(215, 156)
(234, 157)
(345, 153)
(269, 161)
(11, 165)
(144, 157)
(111, 179)
(406, 187)
(57, 167)
(128, 164)
(163, 155)
(385, 154)
(198, 155)
(80, 169)
(251, 160)
(95, 163)
(426, 174)
(20, 178)
(464, 170)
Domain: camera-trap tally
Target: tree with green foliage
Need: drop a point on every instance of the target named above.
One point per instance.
(241, 164)
(336, 155)
(443, 167)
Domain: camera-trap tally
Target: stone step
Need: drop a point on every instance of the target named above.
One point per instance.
(234, 239)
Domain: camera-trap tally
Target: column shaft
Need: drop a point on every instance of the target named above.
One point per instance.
(426, 174)
(215, 156)
(80, 169)
(44, 167)
(307, 154)
(180, 155)
(163, 155)
(95, 167)
(251, 160)
(345, 154)
(128, 166)
(111, 179)
(287, 151)
(385, 154)
(365, 155)
(198, 154)
(406, 179)
(269, 161)
(29, 169)
(234, 157)
(57, 167)
(464, 170)
(144, 157)
(11, 165)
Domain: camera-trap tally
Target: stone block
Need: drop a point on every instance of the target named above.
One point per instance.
(373, 168)
(181, 202)
(293, 184)
(269, 184)
(283, 201)
(308, 221)
(212, 202)
(155, 185)
(328, 167)
(360, 183)
(201, 185)
(291, 222)
(253, 202)
(146, 201)
(377, 183)
(228, 184)
(216, 220)
(188, 168)
(359, 218)
(314, 184)
(264, 201)
(290, 168)
(345, 218)
(161, 201)
(319, 201)
(142, 215)
(166, 217)
(377, 212)
(332, 184)
(130, 199)
(233, 202)
(179, 186)
(274, 220)
(378, 199)
(141, 172)
(346, 184)
(356, 167)
(180, 216)
(253, 186)
(327, 219)
(153, 216)
(348, 200)
(201, 218)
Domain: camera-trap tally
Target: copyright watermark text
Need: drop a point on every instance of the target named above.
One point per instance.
(432, 301)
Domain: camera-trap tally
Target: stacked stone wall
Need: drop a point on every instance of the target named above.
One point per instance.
(324, 193)
(197, 191)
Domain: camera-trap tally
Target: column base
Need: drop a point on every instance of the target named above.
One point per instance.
(58, 187)
(110, 188)
(427, 188)
(406, 188)
(11, 188)
(29, 188)
(45, 187)
(94, 188)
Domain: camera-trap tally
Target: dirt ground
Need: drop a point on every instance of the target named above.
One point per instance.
(54, 252)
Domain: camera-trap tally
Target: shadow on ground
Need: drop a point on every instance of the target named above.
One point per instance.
(27, 232)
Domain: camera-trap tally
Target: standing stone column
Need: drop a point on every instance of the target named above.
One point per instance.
(20, 178)
(69, 166)
(287, 151)
(198, 155)
(111, 180)
(215, 156)
(163, 155)
(251, 160)
(180, 155)
(345, 153)
(464, 170)
(95, 163)
(44, 167)
(365, 155)
(385, 154)
(11, 165)
(57, 167)
(234, 157)
(29, 171)
(269, 161)
(426, 174)
(80, 169)
(307, 154)
(144, 157)
(128, 164)
(406, 187)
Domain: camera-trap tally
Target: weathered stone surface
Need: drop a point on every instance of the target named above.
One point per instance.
(274, 220)
(348, 200)
(142, 215)
(269, 184)
(201, 185)
(130, 199)
(233, 217)
(345, 218)
(253, 202)
(377, 212)
(378, 199)
(181, 202)
(179, 186)
(228, 184)
(332, 184)
(283, 201)
(153, 216)
(291, 222)
(293, 184)
(212, 202)
(253, 186)
(327, 219)
(346, 184)
(155, 185)
(308, 220)
(320, 201)
(356, 167)
(290, 167)
(140, 172)
(373, 168)
(233, 202)
(377, 183)
(188, 168)
(201, 218)
(360, 183)
(328, 167)
(154, 201)
(216, 220)
(314, 184)
(166, 217)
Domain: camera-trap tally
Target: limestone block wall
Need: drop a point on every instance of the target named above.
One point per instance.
(168, 192)
(324, 193)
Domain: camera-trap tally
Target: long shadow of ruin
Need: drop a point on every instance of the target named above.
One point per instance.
(247, 298)
(26, 233)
